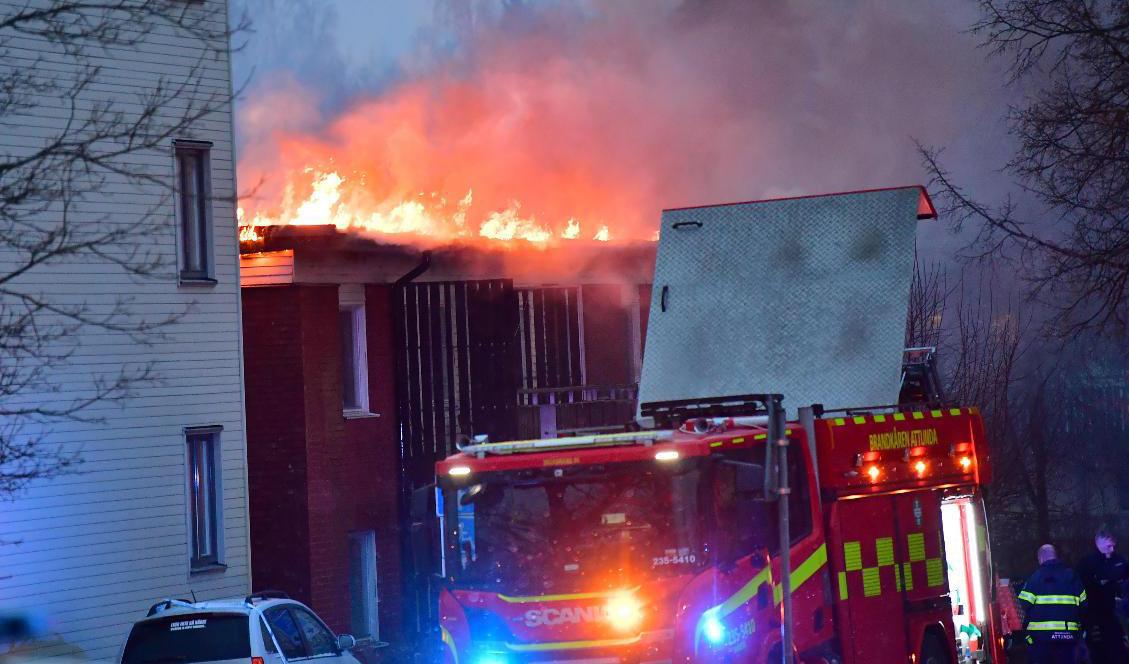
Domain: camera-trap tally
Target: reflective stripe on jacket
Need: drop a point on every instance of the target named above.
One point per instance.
(1072, 600)
(1053, 626)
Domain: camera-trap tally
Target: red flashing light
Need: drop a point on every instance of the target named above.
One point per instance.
(873, 472)
(257, 660)
(920, 467)
(966, 463)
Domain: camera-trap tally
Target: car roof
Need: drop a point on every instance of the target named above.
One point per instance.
(166, 608)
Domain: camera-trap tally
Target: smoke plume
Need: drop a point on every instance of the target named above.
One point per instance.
(556, 121)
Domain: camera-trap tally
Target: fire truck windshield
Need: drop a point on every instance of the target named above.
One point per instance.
(552, 531)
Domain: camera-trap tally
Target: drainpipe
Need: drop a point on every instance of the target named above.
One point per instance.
(424, 264)
(422, 614)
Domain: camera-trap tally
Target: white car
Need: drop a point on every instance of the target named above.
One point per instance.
(265, 628)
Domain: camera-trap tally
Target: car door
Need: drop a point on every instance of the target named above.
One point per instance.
(286, 632)
(302, 635)
(270, 644)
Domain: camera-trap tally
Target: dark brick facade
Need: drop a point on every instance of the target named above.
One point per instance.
(315, 476)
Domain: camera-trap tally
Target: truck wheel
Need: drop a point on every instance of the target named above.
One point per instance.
(933, 650)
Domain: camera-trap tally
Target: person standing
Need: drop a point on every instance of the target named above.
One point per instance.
(1103, 573)
(1053, 600)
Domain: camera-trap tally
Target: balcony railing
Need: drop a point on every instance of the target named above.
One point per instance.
(574, 411)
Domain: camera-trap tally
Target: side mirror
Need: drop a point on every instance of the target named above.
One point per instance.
(346, 642)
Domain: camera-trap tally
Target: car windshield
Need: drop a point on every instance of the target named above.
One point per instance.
(187, 638)
(598, 527)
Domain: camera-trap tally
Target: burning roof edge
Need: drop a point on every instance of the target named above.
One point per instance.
(324, 254)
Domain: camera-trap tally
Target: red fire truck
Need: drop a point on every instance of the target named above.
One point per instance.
(718, 532)
(659, 546)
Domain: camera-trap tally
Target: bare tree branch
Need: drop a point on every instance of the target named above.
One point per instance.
(1072, 159)
(100, 141)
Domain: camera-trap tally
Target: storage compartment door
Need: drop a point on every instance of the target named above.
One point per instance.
(871, 609)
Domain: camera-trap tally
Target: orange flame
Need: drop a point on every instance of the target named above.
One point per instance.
(333, 199)
(437, 162)
(249, 234)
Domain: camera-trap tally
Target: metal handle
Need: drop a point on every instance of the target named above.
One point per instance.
(684, 224)
(662, 298)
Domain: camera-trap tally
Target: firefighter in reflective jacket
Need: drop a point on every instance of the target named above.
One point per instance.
(1052, 600)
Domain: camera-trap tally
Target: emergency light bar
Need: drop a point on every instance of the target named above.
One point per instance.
(667, 414)
(646, 438)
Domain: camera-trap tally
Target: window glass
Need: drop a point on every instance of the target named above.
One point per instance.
(736, 510)
(799, 502)
(362, 584)
(349, 391)
(203, 497)
(319, 639)
(546, 533)
(187, 638)
(745, 522)
(287, 632)
(193, 183)
(268, 642)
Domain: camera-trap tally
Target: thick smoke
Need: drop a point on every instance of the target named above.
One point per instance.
(569, 117)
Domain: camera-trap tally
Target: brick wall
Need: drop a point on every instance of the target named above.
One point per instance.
(351, 467)
(381, 442)
(276, 460)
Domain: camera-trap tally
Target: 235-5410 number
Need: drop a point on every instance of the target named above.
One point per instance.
(685, 559)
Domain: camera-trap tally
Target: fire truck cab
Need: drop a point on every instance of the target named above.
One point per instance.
(659, 546)
(665, 544)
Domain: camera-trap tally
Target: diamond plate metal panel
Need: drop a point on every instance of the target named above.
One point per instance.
(806, 297)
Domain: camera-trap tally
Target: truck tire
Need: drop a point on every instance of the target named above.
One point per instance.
(933, 650)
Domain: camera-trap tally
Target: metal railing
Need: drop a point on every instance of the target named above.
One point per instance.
(575, 410)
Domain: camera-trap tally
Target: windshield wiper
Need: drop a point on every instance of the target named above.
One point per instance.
(166, 658)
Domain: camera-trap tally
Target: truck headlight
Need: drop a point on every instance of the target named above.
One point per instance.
(624, 612)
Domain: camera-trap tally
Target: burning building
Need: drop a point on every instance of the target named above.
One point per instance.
(365, 362)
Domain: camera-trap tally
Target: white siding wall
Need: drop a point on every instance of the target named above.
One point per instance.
(94, 548)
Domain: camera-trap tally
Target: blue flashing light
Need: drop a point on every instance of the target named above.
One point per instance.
(713, 630)
(492, 658)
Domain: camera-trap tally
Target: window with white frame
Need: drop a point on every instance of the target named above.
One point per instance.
(354, 353)
(362, 585)
(204, 496)
(194, 210)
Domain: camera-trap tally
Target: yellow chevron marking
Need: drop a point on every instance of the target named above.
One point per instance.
(559, 598)
(446, 637)
(573, 645)
(852, 556)
(916, 543)
(871, 582)
(884, 547)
